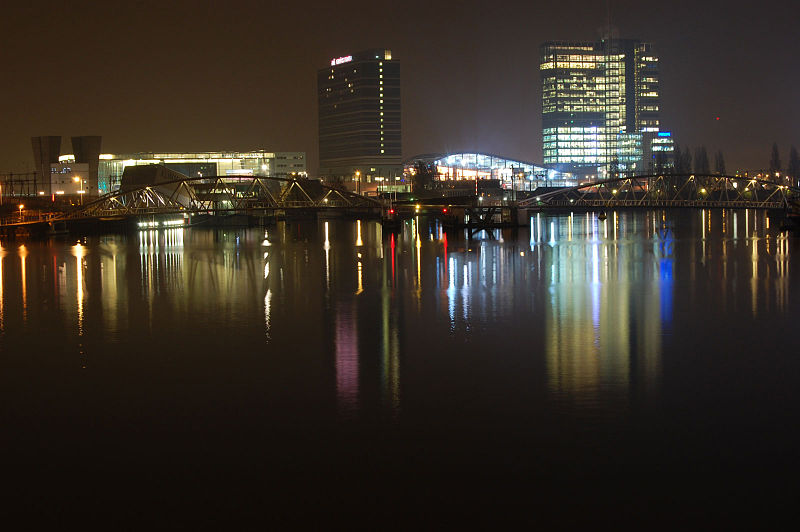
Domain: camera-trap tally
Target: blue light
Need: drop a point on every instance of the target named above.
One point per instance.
(664, 134)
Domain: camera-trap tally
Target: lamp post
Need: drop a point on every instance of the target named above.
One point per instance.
(358, 182)
(21, 206)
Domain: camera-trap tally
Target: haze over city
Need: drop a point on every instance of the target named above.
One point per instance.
(400, 264)
(196, 76)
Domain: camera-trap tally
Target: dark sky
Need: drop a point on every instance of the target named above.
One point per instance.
(241, 75)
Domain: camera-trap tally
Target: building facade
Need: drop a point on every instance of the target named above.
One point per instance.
(359, 119)
(87, 171)
(600, 107)
(510, 174)
(201, 164)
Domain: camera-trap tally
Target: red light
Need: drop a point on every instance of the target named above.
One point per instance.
(717, 118)
(444, 211)
(391, 211)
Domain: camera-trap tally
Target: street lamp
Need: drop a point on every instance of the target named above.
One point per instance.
(21, 206)
(358, 182)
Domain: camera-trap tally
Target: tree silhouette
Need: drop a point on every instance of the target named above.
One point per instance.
(678, 165)
(794, 166)
(424, 177)
(701, 165)
(774, 161)
(687, 160)
(719, 163)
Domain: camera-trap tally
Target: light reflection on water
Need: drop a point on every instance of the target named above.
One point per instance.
(593, 300)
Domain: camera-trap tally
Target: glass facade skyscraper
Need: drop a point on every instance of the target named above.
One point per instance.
(359, 118)
(600, 105)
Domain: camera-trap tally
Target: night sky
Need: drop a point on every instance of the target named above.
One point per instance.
(241, 75)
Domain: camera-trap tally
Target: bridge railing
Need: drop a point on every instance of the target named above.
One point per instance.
(687, 190)
(221, 195)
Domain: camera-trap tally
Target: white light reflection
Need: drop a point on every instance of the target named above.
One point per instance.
(533, 236)
(615, 225)
(569, 226)
(538, 227)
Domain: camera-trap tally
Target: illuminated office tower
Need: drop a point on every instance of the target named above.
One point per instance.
(359, 120)
(600, 106)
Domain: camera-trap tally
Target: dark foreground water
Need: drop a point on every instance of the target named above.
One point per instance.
(644, 368)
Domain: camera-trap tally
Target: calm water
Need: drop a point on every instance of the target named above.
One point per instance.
(632, 366)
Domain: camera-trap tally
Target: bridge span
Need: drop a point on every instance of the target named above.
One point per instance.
(211, 199)
(221, 199)
(701, 191)
(225, 195)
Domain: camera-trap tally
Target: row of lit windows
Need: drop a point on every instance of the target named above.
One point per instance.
(582, 144)
(581, 108)
(582, 65)
(380, 70)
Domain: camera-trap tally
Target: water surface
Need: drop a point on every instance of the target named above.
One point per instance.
(589, 362)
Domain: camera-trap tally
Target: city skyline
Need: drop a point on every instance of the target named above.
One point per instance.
(216, 80)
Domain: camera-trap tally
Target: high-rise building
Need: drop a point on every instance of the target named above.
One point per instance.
(359, 120)
(600, 107)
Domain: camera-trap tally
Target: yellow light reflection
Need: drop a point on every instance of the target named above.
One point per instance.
(2, 309)
(419, 257)
(23, 252)
(267, 312)
(360, 277)
(79, 252)
(754, 278)
(327, 248)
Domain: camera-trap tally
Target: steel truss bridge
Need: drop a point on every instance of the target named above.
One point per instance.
(222, 195)
(658, 191)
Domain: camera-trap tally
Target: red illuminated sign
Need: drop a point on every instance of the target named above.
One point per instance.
(340, 60)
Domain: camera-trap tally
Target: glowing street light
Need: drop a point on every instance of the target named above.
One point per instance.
(21, 206)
